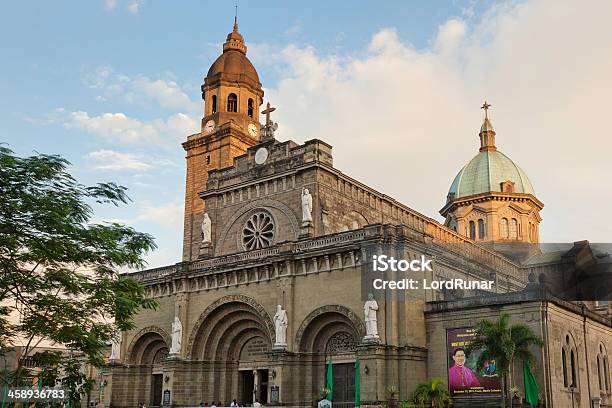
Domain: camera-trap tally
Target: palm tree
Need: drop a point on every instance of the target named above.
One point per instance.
(433, 391)
(504, 343)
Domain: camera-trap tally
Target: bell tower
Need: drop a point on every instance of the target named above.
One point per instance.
(232, 97)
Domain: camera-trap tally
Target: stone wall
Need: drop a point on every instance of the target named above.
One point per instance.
(551, 319)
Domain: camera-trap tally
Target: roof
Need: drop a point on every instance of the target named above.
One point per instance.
(233, 62)
(485, 173)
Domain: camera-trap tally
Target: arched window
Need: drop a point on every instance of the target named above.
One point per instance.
(603, 373)
(606, 371)
(214, 104)
(573, 369)
(570, 368)
(503, 228)
(250, 108)
(472, 230)
(481, 229)
(232, 103)
(564, 362)
(599, 376)
(513, 229)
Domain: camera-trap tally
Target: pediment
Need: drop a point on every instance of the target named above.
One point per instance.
(518, 209)
(478, 209)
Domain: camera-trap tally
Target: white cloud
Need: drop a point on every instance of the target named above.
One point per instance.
(110, 4)
(140, 89)
(413, 115)
(118, 127)
(167, 93)
(112, 160)
(134, 6)
(295, 28)
(113, 126)
(169, 215)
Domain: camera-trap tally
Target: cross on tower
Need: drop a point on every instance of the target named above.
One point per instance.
(486, 107)
(267, 112)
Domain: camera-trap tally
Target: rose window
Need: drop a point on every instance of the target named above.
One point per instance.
(258, 231)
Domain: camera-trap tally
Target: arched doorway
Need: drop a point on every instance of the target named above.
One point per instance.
(149, 350)
(330, 332)
(232, 338)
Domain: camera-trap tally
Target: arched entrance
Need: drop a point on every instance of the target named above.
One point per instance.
(232, 338)
(330, 332)
(149, 350)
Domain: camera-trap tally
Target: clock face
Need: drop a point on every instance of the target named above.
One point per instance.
(209, 126)
(252, 129)
(261, 155)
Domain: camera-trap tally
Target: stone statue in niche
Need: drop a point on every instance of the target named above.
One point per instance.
(280, 325)
(370, 308)
(206, 229)
(177, 336)
(306, 206)
(115, 348)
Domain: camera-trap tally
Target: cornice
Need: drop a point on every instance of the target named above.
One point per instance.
(490, 196)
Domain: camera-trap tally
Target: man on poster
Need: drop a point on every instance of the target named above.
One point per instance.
(459, 376)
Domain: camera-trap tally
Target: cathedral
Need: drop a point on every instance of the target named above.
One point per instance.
(274, 289)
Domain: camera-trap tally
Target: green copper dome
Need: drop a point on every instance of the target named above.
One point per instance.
(485, 173)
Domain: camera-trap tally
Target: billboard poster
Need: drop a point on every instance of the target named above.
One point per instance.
(464, 376)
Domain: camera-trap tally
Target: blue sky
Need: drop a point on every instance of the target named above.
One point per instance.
(114, 86)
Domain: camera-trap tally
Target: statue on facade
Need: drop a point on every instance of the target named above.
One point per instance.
(280, 324)
(115, 348)
(306, 206)
(206, 229)
(369, 308)
(177, 336)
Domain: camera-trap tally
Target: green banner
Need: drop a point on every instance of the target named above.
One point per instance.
(531, 386)
(357, 390)
(329, 386)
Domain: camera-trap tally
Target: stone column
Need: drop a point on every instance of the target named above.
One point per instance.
(256, 384)
(106, 385)
(372, 359)
(281, 374)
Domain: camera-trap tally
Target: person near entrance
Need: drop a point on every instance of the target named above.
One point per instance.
(256, 404)
(233, 403)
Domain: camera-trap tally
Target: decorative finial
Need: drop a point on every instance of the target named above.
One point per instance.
(268, 130)
(486, 107)
(236, 18)
(487, 133)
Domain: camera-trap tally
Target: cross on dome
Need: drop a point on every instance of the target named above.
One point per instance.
(486, 107)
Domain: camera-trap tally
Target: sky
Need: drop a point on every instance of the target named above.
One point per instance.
(394, 86)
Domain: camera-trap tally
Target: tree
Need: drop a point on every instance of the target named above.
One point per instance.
(504, 343)
(60, 270)
(433, 392)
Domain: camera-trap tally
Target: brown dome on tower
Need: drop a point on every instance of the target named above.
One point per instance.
(233, 64)
(231, 90)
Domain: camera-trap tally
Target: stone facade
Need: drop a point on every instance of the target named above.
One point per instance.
(262, 253)
(558, 323)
